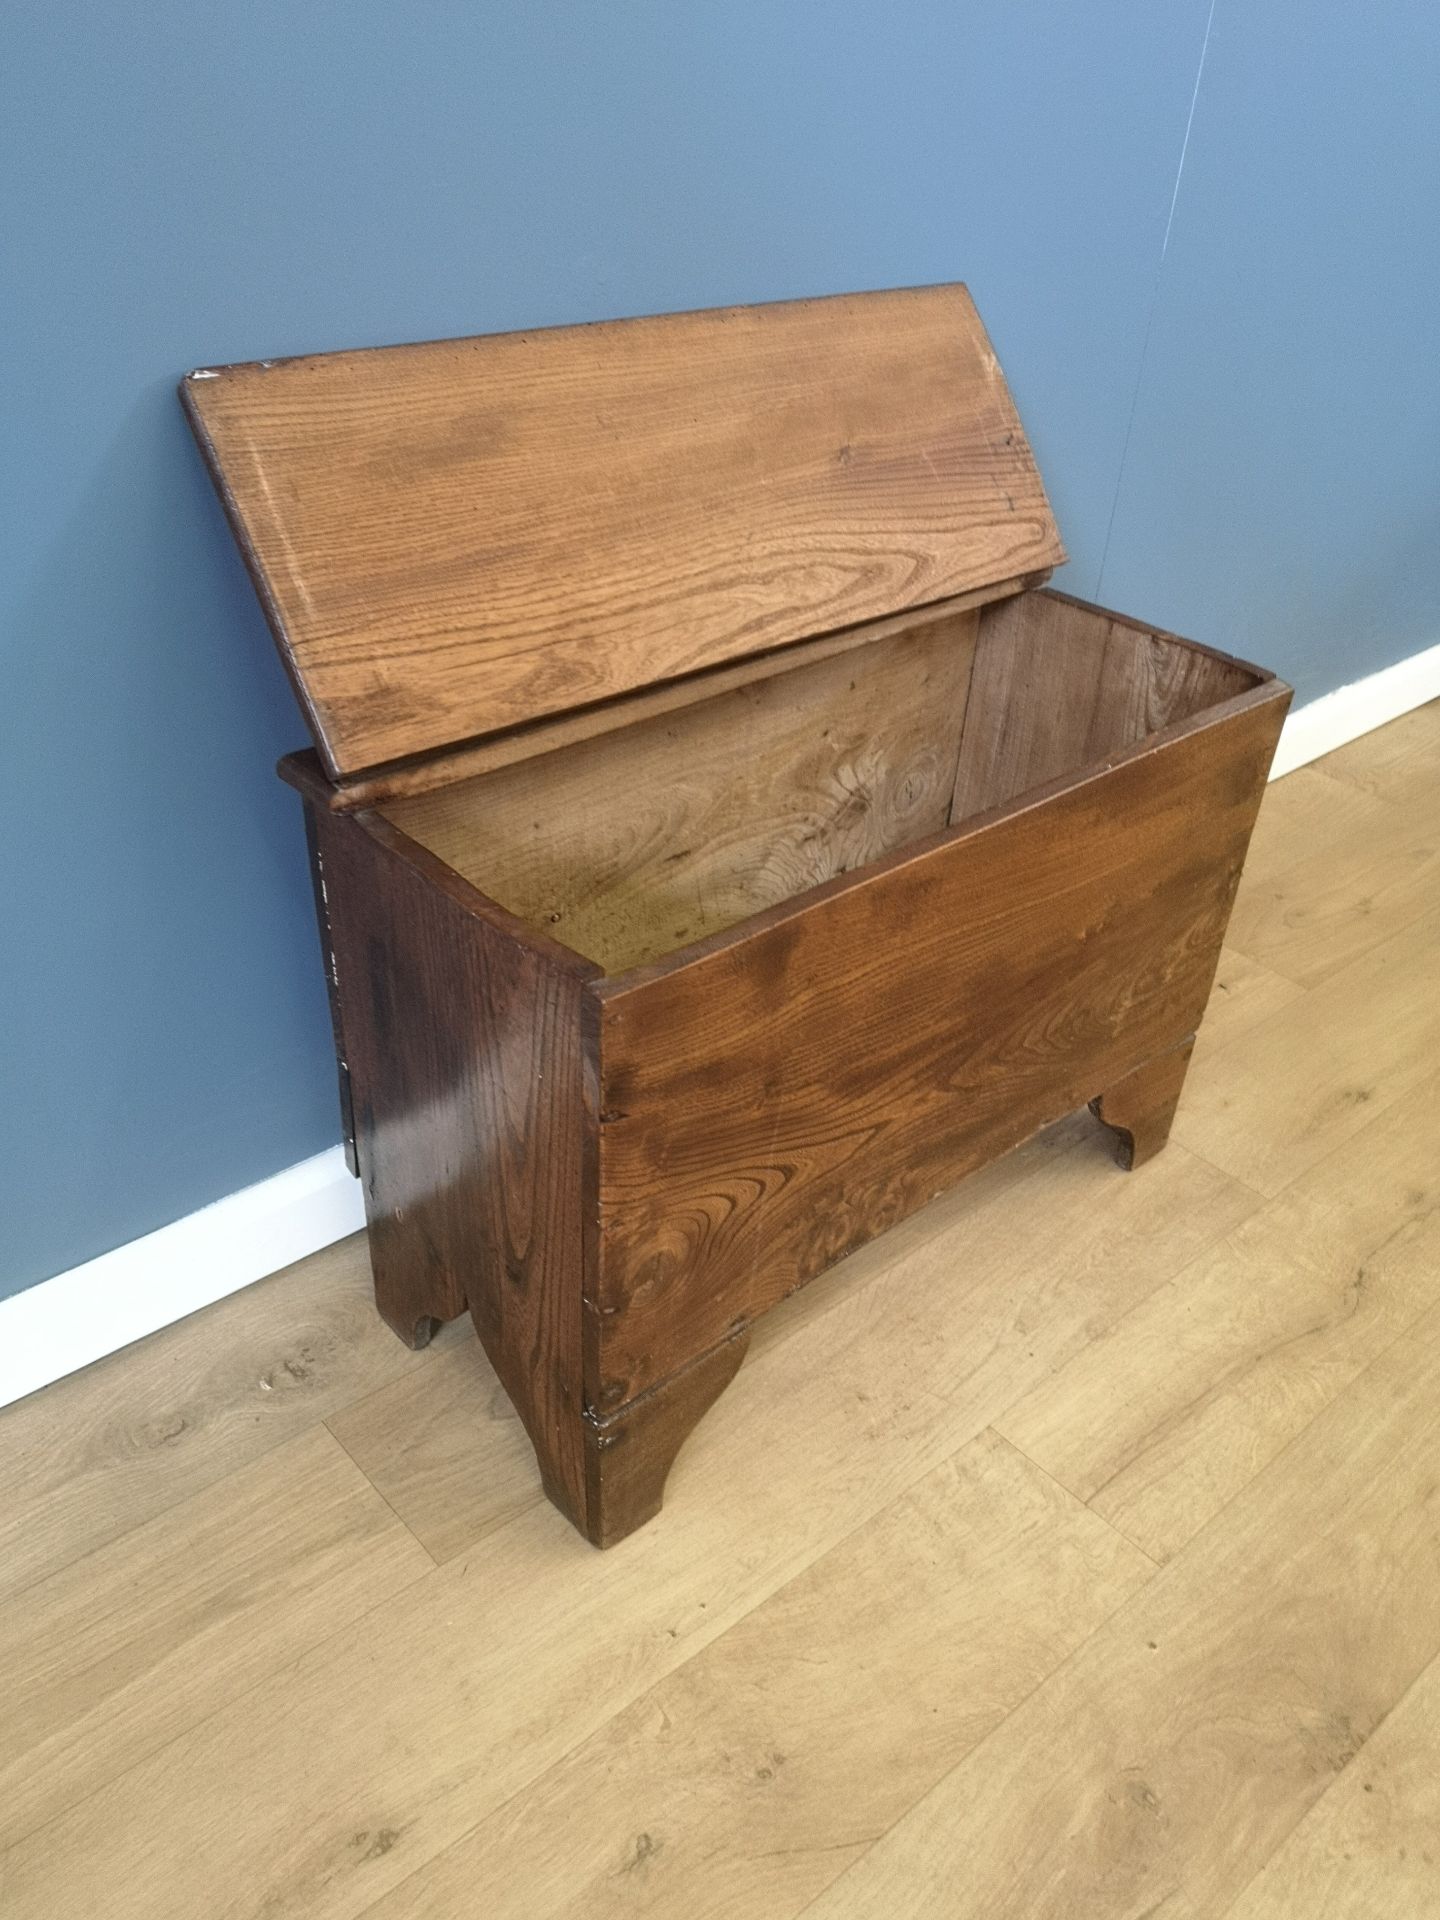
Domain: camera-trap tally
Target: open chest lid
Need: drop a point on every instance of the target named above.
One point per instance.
(459, 538)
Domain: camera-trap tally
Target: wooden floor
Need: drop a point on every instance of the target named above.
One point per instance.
(1074, 1553)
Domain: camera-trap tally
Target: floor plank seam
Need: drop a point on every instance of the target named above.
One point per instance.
(1307, 1813)
(1346, 1146)
(1349, 781)
(10, 1594)
(1238, 1179)
(379, 1495)
(1277, 967)
(1070, 1494)
(968, 1758)
(1350, 1387)
(1101, 1626)
(226, 1705)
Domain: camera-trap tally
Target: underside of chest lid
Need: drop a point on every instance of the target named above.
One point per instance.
(458, 539)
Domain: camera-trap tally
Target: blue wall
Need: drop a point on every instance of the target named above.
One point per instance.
(1241, 433)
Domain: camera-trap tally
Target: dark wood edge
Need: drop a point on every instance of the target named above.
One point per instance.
(614, 986)
(301, 771)
(591, 1319)
(321, 895)
(467, 759)
(1261, 674)
(241, 534)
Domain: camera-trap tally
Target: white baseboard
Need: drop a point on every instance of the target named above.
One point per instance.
(1337, 718)
(65, 1323)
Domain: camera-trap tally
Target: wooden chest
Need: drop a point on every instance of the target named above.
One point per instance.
(721, 842)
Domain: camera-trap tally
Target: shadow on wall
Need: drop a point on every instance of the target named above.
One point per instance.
(135, 763)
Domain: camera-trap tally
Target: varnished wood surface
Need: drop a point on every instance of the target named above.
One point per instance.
(402, 779)
(1140, 1109)
(332, 991)
(459, 537)
(776, 1101)
(629, 1453)
(1060, 684)
(631, 845)
(731, 1712)
(466, 1062)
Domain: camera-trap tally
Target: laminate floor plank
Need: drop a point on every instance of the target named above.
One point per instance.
(102, 1452)
(1369, 1849)
(1303, 814)
(1399, 763)
(124, 1649)
(1272, 1103)
(1159, 1768)
(1161, 1420)
(1342, 897)
(446, 1448)
(1244, 994)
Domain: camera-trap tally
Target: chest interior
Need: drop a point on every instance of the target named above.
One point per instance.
(639, 842)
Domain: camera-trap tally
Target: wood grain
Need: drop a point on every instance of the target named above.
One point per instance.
(844, 1574)
(458, 537)
(1060, 684)
(784, 1095)
(629, 1453)
(1140, 1108)
(332, 991)
(1270, 1104)
(98, 1454)
(445, 1447)
(141, 1639)
(1344, 894)
(1399, 763)
(402, 779)
(629, 846)
(747, 1781)
(1168, 1415)
(465, 1055)
(1370, 1846)
(1163, 1763)
(1245, 993)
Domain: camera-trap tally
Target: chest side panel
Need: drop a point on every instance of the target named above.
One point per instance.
(465, 1062)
